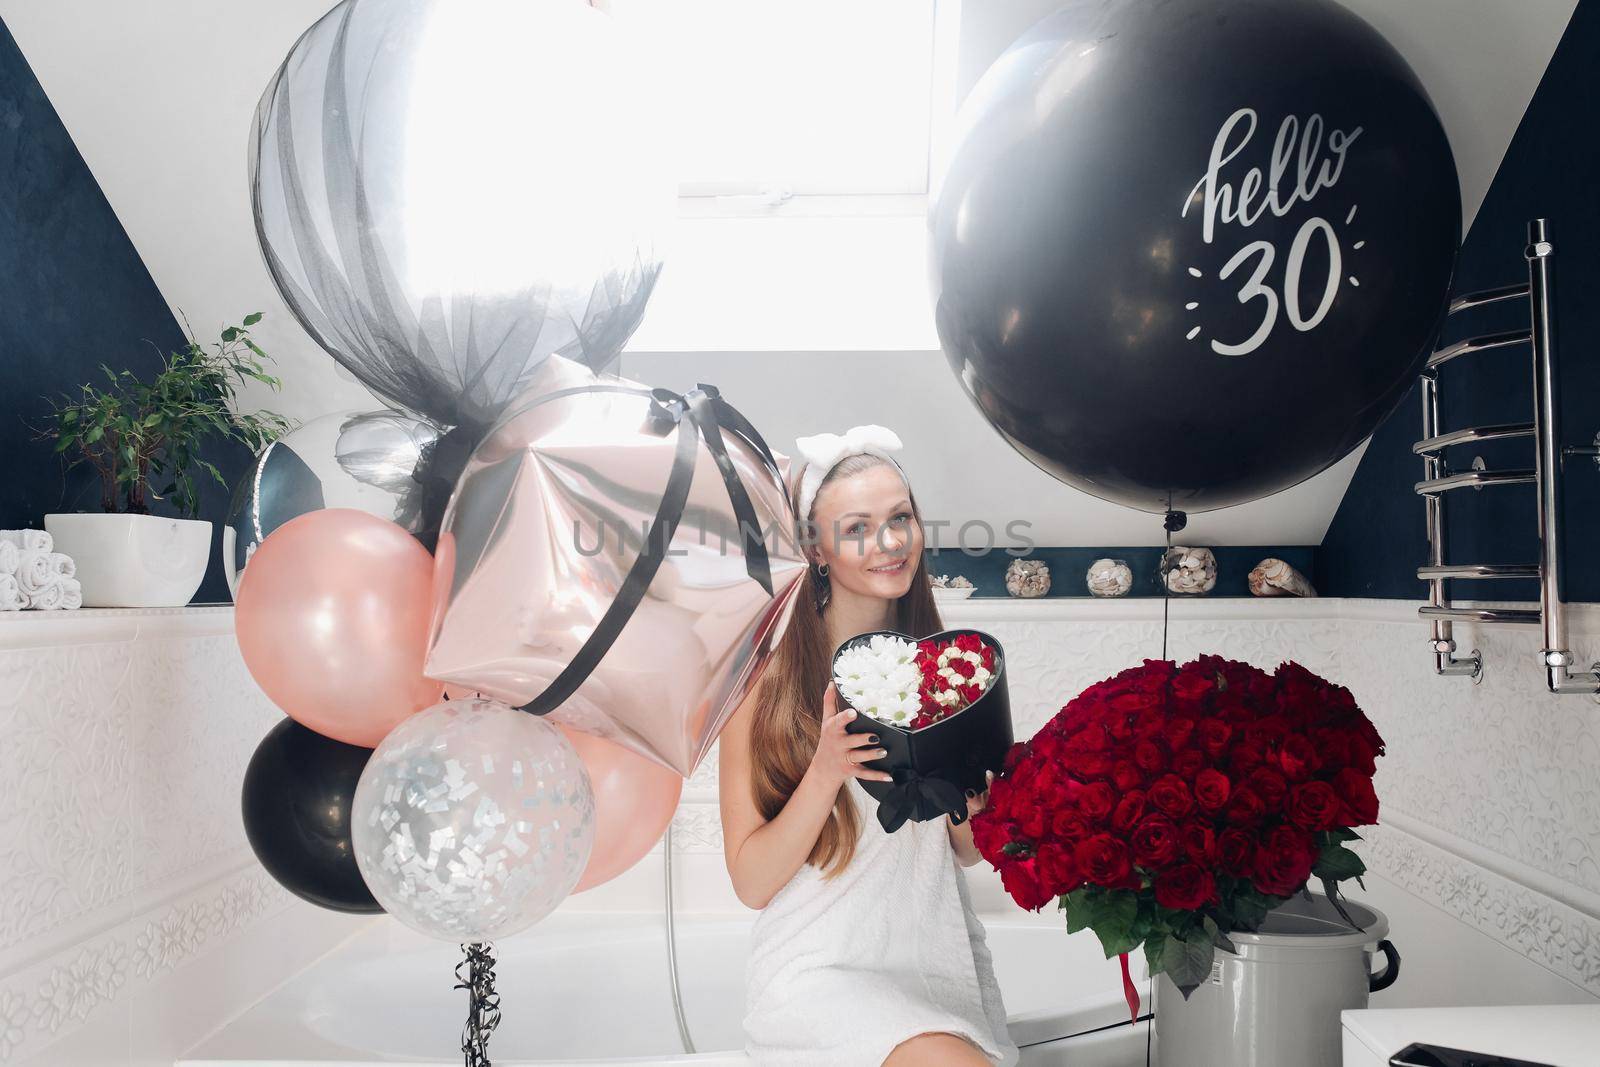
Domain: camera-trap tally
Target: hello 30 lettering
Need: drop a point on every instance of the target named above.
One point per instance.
(1316, 167)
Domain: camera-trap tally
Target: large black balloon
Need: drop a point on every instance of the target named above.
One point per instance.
(297, 794)
(1147, 325)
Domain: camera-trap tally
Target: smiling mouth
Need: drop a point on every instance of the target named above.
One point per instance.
(890, 568)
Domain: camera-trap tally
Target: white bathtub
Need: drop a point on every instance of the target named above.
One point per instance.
(592, 988)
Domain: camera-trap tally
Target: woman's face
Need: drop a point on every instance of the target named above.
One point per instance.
(867, 533)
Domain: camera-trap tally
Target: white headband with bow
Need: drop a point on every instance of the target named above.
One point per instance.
(823, 451)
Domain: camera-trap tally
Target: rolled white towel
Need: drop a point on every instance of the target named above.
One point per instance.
(34, 571)
(71, 594)
(10, 556)
(52, 596)
(62, 565)
(11, 598)
(38, 540)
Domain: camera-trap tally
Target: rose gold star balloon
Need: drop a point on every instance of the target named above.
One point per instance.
(620, 558)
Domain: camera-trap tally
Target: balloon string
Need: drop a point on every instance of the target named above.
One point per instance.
(1150, 1022)
(483, 1002)
(1173, 521)
(1166, 596)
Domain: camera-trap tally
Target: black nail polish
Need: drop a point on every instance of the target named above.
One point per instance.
(971, 793)
(872, 739)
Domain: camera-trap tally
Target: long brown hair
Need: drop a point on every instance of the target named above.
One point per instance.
(788, 710)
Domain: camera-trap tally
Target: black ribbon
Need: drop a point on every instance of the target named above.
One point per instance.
(475, 974)
(438, 470)
(925, 796)
(707, 415)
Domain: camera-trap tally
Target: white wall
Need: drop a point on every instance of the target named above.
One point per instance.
(158, 97)
(133, 916)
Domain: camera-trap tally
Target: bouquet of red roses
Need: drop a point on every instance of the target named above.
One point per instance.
(1169, 805)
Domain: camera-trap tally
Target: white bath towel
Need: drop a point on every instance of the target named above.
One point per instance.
(11, 598)
(34, 571)
(843, 970)
(38, 540)
(62, 565)
(59, 594)
(10, 555)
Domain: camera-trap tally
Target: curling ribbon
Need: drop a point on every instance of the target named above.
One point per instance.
(1130, 991)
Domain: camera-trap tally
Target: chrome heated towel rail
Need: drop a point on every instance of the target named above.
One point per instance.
(1545, 474)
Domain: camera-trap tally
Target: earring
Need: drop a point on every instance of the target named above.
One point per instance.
(824, 588)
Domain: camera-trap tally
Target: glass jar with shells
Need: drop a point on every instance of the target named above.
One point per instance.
(1028, 578)
(1188, 571)
(1109, 578)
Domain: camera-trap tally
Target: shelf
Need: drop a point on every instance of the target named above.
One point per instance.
(98, 626)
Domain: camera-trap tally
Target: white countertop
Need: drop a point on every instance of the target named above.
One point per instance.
(1561, 1035)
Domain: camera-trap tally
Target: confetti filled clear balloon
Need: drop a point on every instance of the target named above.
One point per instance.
(473, 820)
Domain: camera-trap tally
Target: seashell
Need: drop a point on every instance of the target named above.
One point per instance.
(1274, 577)
(1109, 577)
(1028, 578)
(1189, 571)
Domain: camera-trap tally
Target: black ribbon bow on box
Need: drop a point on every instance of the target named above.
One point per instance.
(919, 797)
(934, 767)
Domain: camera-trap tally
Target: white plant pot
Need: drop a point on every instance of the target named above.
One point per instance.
(134, 561)
(1277, 1001)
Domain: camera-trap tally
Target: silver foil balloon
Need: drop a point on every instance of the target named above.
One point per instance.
(447, 191)
(472, 820)
(545, 527)
(349, 459)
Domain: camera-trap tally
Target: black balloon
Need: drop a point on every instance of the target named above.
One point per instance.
(297, 794)
(1193, 250)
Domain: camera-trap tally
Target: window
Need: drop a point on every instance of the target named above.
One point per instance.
(777, 98)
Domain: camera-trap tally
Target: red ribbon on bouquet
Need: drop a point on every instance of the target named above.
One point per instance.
(1130, 992)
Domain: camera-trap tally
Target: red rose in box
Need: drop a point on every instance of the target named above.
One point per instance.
(941, 710)
(1169, 806)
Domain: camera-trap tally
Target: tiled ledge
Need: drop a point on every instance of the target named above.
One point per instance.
(94, 626)
(31, 629)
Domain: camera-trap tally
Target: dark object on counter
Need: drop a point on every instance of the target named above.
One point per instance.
(1420, 1055)
(934, 767)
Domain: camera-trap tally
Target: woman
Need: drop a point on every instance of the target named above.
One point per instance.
(866, 950)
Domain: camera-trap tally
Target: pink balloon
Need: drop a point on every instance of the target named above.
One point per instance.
(332, 620)
(634, 798)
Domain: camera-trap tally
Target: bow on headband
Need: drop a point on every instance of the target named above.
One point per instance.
(824, 450)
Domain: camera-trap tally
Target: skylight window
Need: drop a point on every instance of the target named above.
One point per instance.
(780, 98)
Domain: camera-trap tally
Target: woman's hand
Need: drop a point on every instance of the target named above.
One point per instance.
(961, 832)
(976, 802)
(840, 754)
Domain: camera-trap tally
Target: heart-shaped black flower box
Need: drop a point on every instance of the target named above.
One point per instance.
(935, 766)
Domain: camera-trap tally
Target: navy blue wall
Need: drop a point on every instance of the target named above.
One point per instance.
(1069, 566)
(1550, 170)
(73, 295)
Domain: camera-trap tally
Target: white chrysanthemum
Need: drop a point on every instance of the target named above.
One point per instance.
(880, 678)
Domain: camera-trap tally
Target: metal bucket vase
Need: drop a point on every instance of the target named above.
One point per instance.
(1277, 1001)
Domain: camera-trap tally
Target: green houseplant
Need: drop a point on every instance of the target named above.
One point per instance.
(143, 438)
